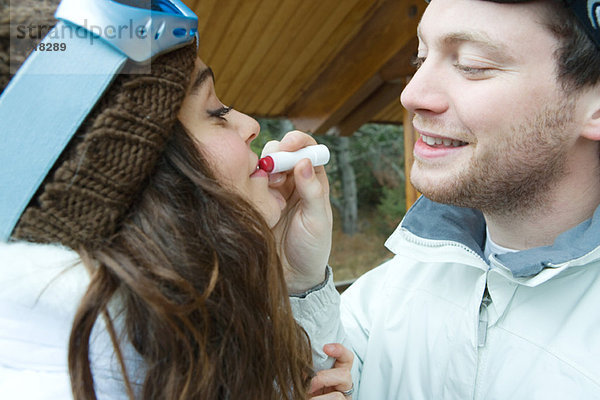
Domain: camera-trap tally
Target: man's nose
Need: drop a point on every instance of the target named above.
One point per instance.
(426, 92)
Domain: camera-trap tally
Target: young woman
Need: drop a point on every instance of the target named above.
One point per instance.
(149, 246)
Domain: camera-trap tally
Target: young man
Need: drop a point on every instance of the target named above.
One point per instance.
(494, 291)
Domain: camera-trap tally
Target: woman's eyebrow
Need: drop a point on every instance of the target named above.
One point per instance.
(201, 78)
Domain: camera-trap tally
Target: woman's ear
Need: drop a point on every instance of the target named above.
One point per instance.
(591, 129)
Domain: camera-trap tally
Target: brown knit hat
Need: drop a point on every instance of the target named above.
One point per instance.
(102, 171)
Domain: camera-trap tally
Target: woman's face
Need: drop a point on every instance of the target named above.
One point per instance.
(224, 136)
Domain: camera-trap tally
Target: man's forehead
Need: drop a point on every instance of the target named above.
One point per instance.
(482, 22)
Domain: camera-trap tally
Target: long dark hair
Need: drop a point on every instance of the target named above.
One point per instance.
(195, 271)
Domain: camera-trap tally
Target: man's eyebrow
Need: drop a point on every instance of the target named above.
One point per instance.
(478, 38)
(201, 78)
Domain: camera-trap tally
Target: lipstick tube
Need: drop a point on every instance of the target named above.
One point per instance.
(285, 160)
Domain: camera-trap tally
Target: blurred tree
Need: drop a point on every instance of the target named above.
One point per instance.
(347, 204)
(366, 171)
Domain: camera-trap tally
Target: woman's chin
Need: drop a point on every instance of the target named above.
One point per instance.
(278, 198)
(272, 209)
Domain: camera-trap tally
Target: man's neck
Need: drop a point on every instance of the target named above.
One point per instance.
(574, 200)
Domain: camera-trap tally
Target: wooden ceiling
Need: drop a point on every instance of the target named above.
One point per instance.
(328, 65)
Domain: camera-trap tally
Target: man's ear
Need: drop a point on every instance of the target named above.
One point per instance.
(591, 129)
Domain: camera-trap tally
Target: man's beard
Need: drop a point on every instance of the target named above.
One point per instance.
(514, 177)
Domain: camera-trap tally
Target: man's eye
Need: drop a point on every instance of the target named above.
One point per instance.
(471, 71)
(417, 61)
(219, 113)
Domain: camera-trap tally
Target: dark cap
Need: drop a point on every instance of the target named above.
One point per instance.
(587, 13)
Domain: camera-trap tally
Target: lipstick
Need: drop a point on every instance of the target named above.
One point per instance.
(285, 160)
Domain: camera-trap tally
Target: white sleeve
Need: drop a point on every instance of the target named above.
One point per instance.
(318, 312)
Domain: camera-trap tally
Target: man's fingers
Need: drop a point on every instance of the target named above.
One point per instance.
(336, 378)
(343, 356)
(331, 396)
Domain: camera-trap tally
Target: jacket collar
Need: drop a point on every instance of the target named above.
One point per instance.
(44, 276)
(430, 220)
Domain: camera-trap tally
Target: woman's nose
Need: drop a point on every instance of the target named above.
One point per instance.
(249, 128)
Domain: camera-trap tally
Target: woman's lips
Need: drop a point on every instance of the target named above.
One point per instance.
(259, 173)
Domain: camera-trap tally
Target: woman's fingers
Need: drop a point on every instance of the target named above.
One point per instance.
(292, 141)
(271, 146)
(312, 190)
(295, 140)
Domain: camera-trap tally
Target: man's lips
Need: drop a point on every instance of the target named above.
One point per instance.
(434, 140)
(442, 142)
(431, 146)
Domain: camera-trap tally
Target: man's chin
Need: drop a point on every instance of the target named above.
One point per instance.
(446, 194)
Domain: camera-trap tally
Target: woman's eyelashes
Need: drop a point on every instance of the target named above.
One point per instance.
(219, 113)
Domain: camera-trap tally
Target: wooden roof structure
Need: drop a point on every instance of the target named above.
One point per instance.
(327, 65)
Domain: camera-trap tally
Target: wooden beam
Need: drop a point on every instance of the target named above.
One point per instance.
(393, 113)
(373, 99)
(320, 126)
(300, 50)
(266, 27)
(348, 79)
(402, 64)
(374, 95)
(384, 95)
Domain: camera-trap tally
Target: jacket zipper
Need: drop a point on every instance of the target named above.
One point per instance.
(482, 336)
(483, 319)
(482, 331)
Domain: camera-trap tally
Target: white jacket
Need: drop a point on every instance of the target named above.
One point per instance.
(421, 328)
(40, 289)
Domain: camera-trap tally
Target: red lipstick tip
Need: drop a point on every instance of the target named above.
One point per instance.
(266, 164)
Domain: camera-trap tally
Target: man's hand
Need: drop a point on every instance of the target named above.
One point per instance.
(334, 383)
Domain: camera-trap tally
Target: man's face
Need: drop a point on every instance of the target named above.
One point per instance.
(496, 129)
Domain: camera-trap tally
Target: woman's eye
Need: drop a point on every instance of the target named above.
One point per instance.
(219, 113)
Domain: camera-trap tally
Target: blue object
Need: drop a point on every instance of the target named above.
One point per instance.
(588, 14)
(53, 92)
(140, 33)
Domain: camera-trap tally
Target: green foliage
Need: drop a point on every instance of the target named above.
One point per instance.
(391, 208)
(270, 129)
